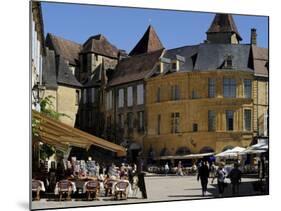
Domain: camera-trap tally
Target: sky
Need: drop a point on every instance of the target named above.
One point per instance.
(123, 27)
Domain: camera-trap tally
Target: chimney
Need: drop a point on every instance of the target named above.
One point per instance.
(253, 36)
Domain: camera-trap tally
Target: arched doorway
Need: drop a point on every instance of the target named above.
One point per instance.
(206, 149)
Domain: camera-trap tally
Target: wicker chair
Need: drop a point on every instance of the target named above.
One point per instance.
(121, 189)
(92, 187)
(64, 187)
(36, 188)
(108, 185)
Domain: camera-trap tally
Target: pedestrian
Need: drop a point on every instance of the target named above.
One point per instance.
(179, 170)
(141, 181)
(212, 171)
(166, 168)
(220, 175)
(235, 178)
(203, 175)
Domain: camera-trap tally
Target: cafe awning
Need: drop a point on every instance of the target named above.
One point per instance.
(184, 157)
(63, 136)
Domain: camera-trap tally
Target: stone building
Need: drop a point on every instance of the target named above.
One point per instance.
(210, 97)
(37, 49)
(59, 68)
(125, 93)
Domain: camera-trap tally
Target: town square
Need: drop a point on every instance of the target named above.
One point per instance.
(148, 123)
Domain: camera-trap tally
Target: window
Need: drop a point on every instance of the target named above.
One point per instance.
(175, 122)
(174, 65)
(109, 100)
(211, 121)
(247, 119)
(229, 88)
(229, 120)
(194, 127)
(141, 121)
(93, 95)
(175, 92)
(211, 87)
(77, 97)
(121, 121)
(140, 94)
(130, 120)
(129, 96)
(158, 124)
(247, 88)
(194, 94)
(158, 97)
(120, 98)
(228, 61)
(84, 96)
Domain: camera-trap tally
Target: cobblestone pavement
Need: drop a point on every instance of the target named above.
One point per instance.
(159, 188)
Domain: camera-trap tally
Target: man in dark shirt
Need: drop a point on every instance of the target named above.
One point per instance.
(235, 177)
(203, 174)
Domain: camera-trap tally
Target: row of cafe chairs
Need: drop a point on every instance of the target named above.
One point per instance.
(92, 189)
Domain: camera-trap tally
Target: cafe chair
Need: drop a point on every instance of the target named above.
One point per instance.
(92, 187)
(36, 188)
(64, 187)
(120, 189)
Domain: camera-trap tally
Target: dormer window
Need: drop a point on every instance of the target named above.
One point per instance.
(228, 61)
(174, 65)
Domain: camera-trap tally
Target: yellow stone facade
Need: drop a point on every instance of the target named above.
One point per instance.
(64, 101)
(195, 111)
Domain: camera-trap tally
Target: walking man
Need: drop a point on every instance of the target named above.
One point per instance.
(220, 178)
(203, 174)
(235, 178)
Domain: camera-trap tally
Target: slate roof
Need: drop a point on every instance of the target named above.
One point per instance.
(64, 74)
(212, 56)
(56, 71)
(67, 49)
(100, 45)
(260, 60)
(224, 23)
(135, 68)
(188, 52)
(49, 77)
(95, 78)
(148, 43)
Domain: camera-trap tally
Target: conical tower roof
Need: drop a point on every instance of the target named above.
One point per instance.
(223, 23)
(148, 43)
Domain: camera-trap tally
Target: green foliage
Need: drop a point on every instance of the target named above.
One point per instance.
(46, 151)
(48, 108)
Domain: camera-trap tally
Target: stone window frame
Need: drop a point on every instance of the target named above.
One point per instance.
(175, 122)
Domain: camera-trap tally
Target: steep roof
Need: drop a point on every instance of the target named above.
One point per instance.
(212, 56)
(224, 23)
(148, 43)
(188, 52)
(135, 68)
(67, 49)
(49, 70)
(65, 76)
(100, 45)
(56, 71)
(260, 60)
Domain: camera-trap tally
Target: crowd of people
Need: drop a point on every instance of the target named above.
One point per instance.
(52, 172)
(206, 171)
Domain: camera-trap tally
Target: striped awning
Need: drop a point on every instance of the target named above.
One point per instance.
(63, 136)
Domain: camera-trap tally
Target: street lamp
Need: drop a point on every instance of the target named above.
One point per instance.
(38, 91)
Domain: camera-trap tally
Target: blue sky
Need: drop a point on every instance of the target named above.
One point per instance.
(123, 27)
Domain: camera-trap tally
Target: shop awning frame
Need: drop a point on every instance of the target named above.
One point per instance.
(63, 136)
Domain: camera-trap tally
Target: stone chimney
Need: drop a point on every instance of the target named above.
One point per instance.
(253, 36)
